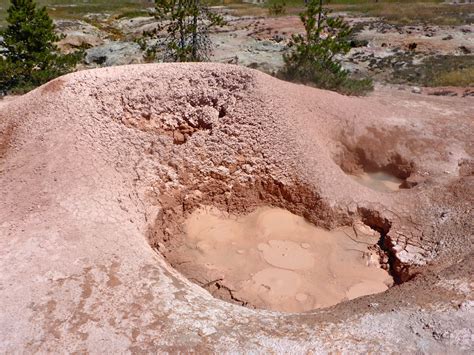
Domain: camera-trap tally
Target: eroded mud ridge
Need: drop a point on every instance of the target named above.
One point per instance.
(110, 179)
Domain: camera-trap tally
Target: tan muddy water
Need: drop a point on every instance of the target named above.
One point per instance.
(276, 260)
(379, 181)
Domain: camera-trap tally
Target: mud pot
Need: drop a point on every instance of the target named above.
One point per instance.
(212, 209)
(276, 260)
(379, 181)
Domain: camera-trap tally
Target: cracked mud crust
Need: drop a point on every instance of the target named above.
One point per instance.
(102, 168)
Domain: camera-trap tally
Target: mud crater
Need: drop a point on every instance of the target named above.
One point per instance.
(373, 161)
(238, 241)
(273, 259)
(210, 171)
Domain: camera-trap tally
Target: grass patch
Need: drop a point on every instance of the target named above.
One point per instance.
(439, 71)
(133, 14)
(394, 11)
(411, 13)
(245, 9)
(76, 9)
(458, 77)
(404, 12)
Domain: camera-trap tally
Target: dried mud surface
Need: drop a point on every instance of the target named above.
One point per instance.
(101, 168)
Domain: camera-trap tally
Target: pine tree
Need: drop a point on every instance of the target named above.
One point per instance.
(187, 24)
(29, 56)
(313, 55)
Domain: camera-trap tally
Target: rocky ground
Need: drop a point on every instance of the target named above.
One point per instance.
(99, 170)
(388, 53)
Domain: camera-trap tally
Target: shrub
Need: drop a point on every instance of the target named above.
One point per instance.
(29, 56)
(277, 8)
(312, 56)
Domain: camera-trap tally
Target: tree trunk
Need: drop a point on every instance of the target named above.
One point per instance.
(181, 25)
(320, 10)
(194, 48)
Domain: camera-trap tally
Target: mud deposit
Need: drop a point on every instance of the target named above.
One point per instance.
(276, 260)
(379, 181)
(102, 173)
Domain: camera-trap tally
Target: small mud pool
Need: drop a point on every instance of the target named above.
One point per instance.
(273, 259)
(379, 181)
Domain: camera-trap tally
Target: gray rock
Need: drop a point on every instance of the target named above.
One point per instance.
(78, 34)
(136, 26)
(114, 53)
(267, 46)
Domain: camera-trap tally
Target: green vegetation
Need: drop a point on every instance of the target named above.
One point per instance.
(438, 71)
(312, 58)
(277, 8)
(133, 13)
(187, 23)
(394, 11)
(455, 77)
(399, 11)
(77, 9)
(29, 55)
(416, 12)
